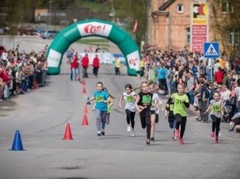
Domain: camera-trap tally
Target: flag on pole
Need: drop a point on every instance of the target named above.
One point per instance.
(135, 27)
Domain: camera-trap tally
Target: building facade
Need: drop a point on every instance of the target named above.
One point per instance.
(171, 24)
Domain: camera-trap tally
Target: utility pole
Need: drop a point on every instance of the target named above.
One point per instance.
(49, 14)
(148, 8)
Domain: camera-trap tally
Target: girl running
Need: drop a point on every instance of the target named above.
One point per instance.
(170, 116)
(180, 103)
(153, 108)
(216, 108)
(143, 104)
(102, 99)
(129, 96)
(109, 107)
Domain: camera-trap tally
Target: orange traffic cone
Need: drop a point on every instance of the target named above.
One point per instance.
(84, 90)
(85, 121)
(68, 133)
(83, 82)
(85, 109)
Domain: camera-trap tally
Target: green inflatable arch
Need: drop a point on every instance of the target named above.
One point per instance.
(92, 27)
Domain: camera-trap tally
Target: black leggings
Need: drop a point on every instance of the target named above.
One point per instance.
(183, 125)
(216, 125)
(145, 117)
(130, 117)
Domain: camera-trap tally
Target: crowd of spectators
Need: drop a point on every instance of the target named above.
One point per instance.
(21, 72)
(201, 77)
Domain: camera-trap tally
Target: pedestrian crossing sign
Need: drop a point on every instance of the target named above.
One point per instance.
(211, 50)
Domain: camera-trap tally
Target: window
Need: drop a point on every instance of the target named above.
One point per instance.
(226, 7)
(180, 8)
(188, 35)
(233, 38)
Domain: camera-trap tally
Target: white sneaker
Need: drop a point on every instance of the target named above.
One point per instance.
(128, 129)
(231, 123)
(133, 134)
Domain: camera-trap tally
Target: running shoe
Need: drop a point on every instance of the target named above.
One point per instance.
(216, 140)
(103, 132)
(176, 133)
(99, 133)
(133, 134)
(148, 142)
(128, 129)
(181, 141)
(212, 135)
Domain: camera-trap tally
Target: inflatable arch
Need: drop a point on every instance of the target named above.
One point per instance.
(93, 27)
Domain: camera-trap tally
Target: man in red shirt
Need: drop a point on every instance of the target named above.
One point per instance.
(85, 64)
(74, 67)
(96, 65)
(219, 76)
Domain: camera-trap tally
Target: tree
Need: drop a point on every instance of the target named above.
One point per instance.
(61, 4)
(130, 10)
(16, 13)
(226, 25)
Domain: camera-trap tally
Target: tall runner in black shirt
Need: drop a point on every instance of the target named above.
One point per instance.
(143, 104)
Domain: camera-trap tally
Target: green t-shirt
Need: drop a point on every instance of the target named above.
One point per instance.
(179, 107)
(109, 108)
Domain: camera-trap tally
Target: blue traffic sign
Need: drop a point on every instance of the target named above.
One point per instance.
(211, 50)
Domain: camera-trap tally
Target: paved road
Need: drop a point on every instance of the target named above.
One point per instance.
(42, 115)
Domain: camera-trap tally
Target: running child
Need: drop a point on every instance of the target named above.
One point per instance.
(143, 104)
(154, 107)
(109, 107)
(216, 108)
(180, 105)
(170, 116)
(129, 96)
(101, 98)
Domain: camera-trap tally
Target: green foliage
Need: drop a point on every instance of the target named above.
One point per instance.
(226, 22)
(130, 10)
(126, 11)
(17, 12)
(62, 4)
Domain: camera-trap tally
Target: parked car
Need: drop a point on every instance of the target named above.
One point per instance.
(27, 30)
(49, 34)
(2, 49)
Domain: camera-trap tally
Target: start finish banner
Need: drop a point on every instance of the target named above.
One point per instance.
(199, 26)
(93, 27)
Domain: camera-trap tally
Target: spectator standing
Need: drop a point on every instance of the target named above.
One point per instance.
(69, 55)
(237, 93)
(85, 65)
(219, 76)
(117, 66)
(161, 76)
(74, 67)
(190, 86)
(96, 65)
(203, 101)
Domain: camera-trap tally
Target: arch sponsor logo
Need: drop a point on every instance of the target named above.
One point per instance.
(133, 60)
(94, 28)
(53, 58)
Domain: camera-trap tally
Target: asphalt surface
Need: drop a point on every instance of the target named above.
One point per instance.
(41, 117)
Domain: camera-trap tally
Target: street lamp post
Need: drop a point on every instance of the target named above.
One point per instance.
(49, 14)
(112, 12)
